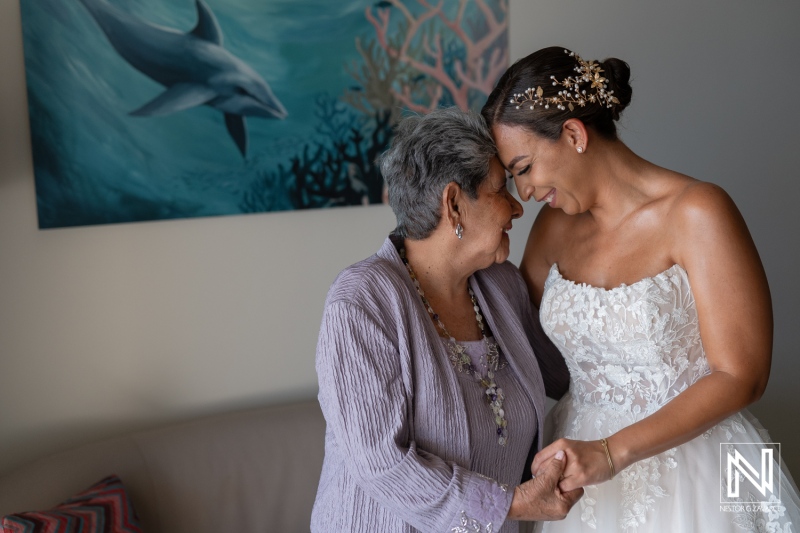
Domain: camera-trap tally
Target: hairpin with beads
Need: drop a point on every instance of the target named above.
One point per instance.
(572, 94)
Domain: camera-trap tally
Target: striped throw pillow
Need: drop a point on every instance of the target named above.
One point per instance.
(103, 508)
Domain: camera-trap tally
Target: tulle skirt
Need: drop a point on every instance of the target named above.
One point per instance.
(685, 489)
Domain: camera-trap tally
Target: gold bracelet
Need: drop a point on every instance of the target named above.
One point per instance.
(604, 442)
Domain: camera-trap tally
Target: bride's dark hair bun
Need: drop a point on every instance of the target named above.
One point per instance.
(618, 73)
(511, 104)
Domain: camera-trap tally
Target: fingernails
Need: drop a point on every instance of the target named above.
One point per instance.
(560, 455)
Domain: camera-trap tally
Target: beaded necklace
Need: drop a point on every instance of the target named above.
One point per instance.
(461, 361)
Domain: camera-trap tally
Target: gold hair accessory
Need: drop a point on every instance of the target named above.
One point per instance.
(572, 94)
(604, 442)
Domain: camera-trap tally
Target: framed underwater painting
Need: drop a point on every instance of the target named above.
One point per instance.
(163, 109)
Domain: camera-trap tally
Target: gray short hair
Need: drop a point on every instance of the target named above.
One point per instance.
(426, 154)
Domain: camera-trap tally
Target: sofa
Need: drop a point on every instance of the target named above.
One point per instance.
(247, 471)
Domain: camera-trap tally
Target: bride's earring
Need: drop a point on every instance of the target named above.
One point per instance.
(580, 149)
(459, 230)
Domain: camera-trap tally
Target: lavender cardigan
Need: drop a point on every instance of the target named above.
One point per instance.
(397, 438)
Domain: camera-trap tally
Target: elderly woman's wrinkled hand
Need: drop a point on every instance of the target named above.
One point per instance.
(541, 498)
(586, 463)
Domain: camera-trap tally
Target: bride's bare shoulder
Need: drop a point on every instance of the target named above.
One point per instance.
(545, 239)
(679, 197)
(698, 201)
(703, 216)
(549, 228)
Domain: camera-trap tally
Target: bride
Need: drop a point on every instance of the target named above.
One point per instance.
(650, 285)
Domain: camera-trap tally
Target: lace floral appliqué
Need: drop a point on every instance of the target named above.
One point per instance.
(471, 525)
(631, 350)
(756, 517)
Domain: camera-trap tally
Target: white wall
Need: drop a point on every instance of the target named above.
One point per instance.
(110, 328)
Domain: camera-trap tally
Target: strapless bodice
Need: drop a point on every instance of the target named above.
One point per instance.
(629, 349)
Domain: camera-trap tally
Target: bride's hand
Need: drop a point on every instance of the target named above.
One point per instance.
(587, 463)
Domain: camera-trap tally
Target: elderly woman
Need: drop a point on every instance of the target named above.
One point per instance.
(428, 381)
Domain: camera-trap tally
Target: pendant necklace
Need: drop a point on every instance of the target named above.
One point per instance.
(461, 362)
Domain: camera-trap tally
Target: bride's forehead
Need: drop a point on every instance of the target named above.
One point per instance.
(513, 140)
(508, 133)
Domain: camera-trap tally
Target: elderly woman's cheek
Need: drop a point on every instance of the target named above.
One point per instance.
(503, 250)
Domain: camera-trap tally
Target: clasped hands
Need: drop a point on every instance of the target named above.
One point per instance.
(586, 463)
(560, 470)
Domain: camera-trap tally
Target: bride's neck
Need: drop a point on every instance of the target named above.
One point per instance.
(622, 184)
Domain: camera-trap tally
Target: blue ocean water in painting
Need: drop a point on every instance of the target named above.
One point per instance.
(95, 163)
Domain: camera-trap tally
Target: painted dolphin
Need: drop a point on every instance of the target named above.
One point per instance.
(194, 67)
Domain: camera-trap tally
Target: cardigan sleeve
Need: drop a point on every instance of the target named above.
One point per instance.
(366, 400)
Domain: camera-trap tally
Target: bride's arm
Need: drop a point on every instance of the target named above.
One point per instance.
(535, 267)
(712, 243)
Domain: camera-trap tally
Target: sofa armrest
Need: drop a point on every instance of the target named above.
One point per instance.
(254, 470)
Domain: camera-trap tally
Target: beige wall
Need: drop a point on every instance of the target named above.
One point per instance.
(109, 328)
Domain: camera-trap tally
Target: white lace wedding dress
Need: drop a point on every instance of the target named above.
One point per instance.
(630, 350)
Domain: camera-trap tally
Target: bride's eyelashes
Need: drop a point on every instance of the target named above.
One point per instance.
(524, 171)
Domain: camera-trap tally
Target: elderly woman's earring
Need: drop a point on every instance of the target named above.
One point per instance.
(459, 230)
